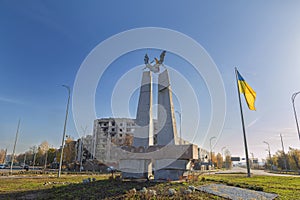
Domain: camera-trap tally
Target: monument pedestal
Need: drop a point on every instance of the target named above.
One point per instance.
(170, 171)
(135, 168)
(168, 162)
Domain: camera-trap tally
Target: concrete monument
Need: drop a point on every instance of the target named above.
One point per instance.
(143, 134)
(169, 159)
(167, 134)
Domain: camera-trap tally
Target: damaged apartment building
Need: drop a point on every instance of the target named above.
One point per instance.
(112, 132)
(109, 132)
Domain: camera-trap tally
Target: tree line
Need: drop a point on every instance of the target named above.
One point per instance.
(289, 161)
(280, 161)
(44, 155)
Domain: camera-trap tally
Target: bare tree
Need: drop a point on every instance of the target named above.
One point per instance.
(69, 151)
(294, 158)
(44, 147)
(2, 155)
(228, 162)
(279, 160)
(219, 161)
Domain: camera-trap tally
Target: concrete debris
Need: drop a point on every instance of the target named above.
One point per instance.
(171, 192)
(133, 191)
(152, 193)
(188, 191)
(88, 180)
(193, 188)
(144, 190)
(54, 183)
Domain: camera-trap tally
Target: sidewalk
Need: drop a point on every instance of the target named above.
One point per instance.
(236, 193)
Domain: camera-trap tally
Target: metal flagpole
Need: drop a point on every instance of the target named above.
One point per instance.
(243, 125)
(13, 154)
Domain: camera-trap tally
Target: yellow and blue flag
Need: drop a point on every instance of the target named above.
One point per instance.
(248, 92)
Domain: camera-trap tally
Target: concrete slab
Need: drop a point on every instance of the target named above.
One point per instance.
(181, 152)
(236, 193)
(171, 164)
(167, 174)
(132, 168)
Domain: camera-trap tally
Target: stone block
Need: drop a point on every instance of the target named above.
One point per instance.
(166, 174)
(135, 168)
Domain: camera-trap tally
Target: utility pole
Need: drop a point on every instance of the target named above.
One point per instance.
(64, 133)
(81, 148)
(46, 157)
(222, 150)
(271, 162)
(34, 157)
(94, 144)
(5, 155)
(13, 154)
(211, 149)
(25, 159)
(285, 161)
(81, 154)
(252, 155)
(223, 158)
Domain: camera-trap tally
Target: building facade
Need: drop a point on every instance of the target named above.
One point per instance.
(110, 132)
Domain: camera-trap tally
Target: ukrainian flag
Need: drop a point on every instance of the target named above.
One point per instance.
(248, 92)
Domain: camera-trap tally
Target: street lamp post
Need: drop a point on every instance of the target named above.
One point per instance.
(211, 148)
(295, 113)
(252, 155)
(81, 147)
(34, 157)
(64, 132)
(24, 159)
(13, 154)
(81, 153)
(285, 160)
(46, 157)
(271, 163)
(222, 151)
(179, 113)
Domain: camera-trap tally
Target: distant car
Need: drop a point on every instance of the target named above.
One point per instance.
(2, 166)
(110, 169)
(26, 167)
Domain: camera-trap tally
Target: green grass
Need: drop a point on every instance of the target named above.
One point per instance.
(103, 188)
(33, 187)
(285, 187)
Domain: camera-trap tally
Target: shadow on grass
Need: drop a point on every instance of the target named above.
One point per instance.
(111, 189)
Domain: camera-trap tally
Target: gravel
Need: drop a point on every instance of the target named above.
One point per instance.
(236, 193)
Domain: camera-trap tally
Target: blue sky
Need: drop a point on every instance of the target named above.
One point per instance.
(43, 44)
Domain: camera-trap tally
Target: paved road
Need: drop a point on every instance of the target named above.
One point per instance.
(253, 171)
(18, 168)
